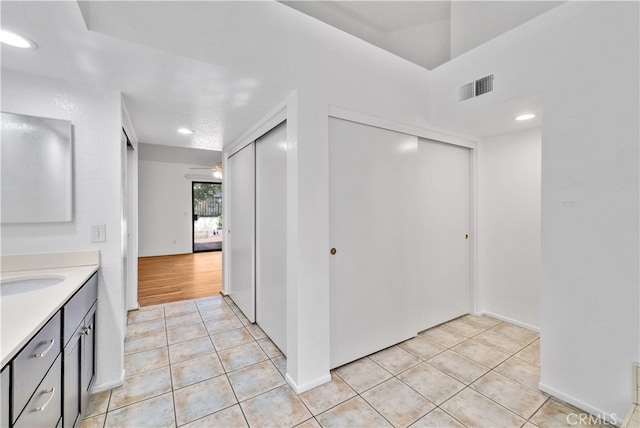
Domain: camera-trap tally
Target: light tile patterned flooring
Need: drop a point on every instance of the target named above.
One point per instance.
(200, 363)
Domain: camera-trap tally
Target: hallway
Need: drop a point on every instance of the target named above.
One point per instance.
(164, 279)
(200, 363)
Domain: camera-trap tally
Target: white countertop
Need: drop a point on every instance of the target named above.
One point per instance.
(23, 314)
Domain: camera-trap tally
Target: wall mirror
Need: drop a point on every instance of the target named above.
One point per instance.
(37, 169)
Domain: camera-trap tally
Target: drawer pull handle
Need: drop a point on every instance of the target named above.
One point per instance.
(46, 351)
(52, 391)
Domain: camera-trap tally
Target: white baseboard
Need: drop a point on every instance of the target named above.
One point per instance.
(512, 321)
(224, 293)
(299, 389)
(597, 413)
(106, 386)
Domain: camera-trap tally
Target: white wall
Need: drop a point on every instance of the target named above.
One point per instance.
(348, 73)
(328, 68)
(582, 58)
(95, 115)
(164, 208)
(475, 22)
(509, 224)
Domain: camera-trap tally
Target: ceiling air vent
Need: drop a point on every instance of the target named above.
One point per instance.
(467, 91)
(484, 85)
(477, 88)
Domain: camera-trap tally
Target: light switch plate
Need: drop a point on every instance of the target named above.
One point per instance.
(98, 233)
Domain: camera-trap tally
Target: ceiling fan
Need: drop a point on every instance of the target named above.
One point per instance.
(217, 169)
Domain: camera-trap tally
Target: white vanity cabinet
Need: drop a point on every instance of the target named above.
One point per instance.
(79, 350)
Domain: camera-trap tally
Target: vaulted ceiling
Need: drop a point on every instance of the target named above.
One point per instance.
(194, 64)
(428, 33)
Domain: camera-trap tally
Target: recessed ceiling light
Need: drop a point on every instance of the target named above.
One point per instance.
(16, 40)
(185, 131)
(526, 116)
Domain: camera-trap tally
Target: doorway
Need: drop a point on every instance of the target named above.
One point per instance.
(206, 202)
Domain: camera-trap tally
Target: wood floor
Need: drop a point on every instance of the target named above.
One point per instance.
(164, 279)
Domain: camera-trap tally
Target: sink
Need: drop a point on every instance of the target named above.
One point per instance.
(25, 284)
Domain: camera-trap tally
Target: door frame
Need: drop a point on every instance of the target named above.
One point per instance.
(193, 241)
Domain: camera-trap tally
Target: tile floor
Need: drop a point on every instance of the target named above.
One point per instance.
(200, 363)
(633, 419)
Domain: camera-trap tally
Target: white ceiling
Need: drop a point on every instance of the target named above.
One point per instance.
(219, 67)
(162, 91)
(414, 30)
(428, 33)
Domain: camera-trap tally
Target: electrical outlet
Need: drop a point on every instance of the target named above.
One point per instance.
(98, 233)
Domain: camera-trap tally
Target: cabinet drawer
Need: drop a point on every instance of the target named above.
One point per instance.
(31, 364)
(78, 306)
(43, 410)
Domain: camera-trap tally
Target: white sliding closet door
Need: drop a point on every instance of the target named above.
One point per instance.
(271, 234)
(371, 296)
(442, 256)
(242, 229)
